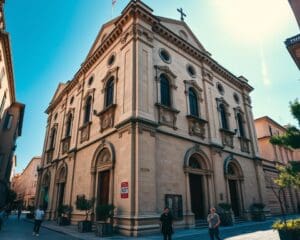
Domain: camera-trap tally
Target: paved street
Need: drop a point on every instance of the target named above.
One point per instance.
(14, 230)
(22, 230)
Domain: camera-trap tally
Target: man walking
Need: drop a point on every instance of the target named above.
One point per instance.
(38, 218)
(213, 220)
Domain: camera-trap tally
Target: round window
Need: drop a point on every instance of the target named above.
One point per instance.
(191, 70)
(164, 55)
(236, 98)
(111, 60)
(220, 88)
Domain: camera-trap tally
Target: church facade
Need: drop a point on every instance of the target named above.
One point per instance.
(150, 120)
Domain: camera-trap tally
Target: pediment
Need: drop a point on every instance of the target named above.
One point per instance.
(59, 89)
(182, 30)
(104, 32)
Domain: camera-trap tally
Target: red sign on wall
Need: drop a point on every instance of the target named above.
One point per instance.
(124, 190)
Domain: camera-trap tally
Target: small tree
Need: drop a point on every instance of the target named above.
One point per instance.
(292, 136)
(288, 177)
(84, 204)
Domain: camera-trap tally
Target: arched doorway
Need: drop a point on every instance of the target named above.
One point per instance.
(103, 175)
(44, 199)
(234, 176)
(196, 189)
(198, 175)
(60, 185)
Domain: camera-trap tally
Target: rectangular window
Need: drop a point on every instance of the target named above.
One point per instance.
(8, 121)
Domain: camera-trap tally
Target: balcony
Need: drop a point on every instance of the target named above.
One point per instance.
(107, 117)
(245, 144)
(196, 126)
(293, 46)
(65, 144)
(227, 137)
(49, 155)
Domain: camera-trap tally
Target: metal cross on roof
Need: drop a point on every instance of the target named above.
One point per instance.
(180, 10)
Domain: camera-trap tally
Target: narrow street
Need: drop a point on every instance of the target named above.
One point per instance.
(22, 230)
(15, 230)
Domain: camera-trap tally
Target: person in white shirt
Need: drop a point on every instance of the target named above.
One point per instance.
(38, 218)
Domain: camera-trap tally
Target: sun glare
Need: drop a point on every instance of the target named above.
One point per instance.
(252, 21)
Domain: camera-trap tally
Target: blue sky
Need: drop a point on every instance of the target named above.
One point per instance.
(50, 39)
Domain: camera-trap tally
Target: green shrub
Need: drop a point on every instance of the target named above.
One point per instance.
(225, 206)
(257, 206)
(293, 224)
(104, 212)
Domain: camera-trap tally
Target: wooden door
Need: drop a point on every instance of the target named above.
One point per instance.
(197, 198)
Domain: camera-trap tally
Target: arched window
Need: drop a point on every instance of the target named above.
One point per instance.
(223, 116)
(109, 92)
(240, 124)
(69, 126)
(193, 103)
(87, 110)
(52, 138)
(165, 90)
(194, 163)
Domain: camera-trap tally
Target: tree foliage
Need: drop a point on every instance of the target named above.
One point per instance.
(289, 176)
(292, 136)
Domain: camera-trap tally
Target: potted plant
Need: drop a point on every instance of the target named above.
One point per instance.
(289, 230)
(225, 213)
(64, 215)
(289, 176)
(257, 212)
(103, 214)
(84, 204)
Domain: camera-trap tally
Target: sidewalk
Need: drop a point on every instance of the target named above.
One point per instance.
(247, 231)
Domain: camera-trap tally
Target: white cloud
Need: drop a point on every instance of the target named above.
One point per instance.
(252, 21)
(264, 69)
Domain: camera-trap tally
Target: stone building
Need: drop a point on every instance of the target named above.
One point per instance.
(271, 156)
(150, 119)
(24, 184)
(11, 111)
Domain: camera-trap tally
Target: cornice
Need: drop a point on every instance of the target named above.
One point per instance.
(9, 66)
(136, 9)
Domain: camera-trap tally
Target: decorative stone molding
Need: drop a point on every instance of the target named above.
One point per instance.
(166, 70)
(167, 116)
(194, 85)
(85, 132)
(49, 155)
(110, 73)
(107, 117)
(245, 144)
(227, 137)
(66, 144)
(196, 126)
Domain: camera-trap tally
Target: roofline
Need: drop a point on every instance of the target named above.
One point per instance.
(139, 8)
(270, 120)
(31, 160)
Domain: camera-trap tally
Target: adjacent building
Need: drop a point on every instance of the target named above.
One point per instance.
(24, 184)
(273, 155)
(150, 119)
(293, 43)
(11, 111)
